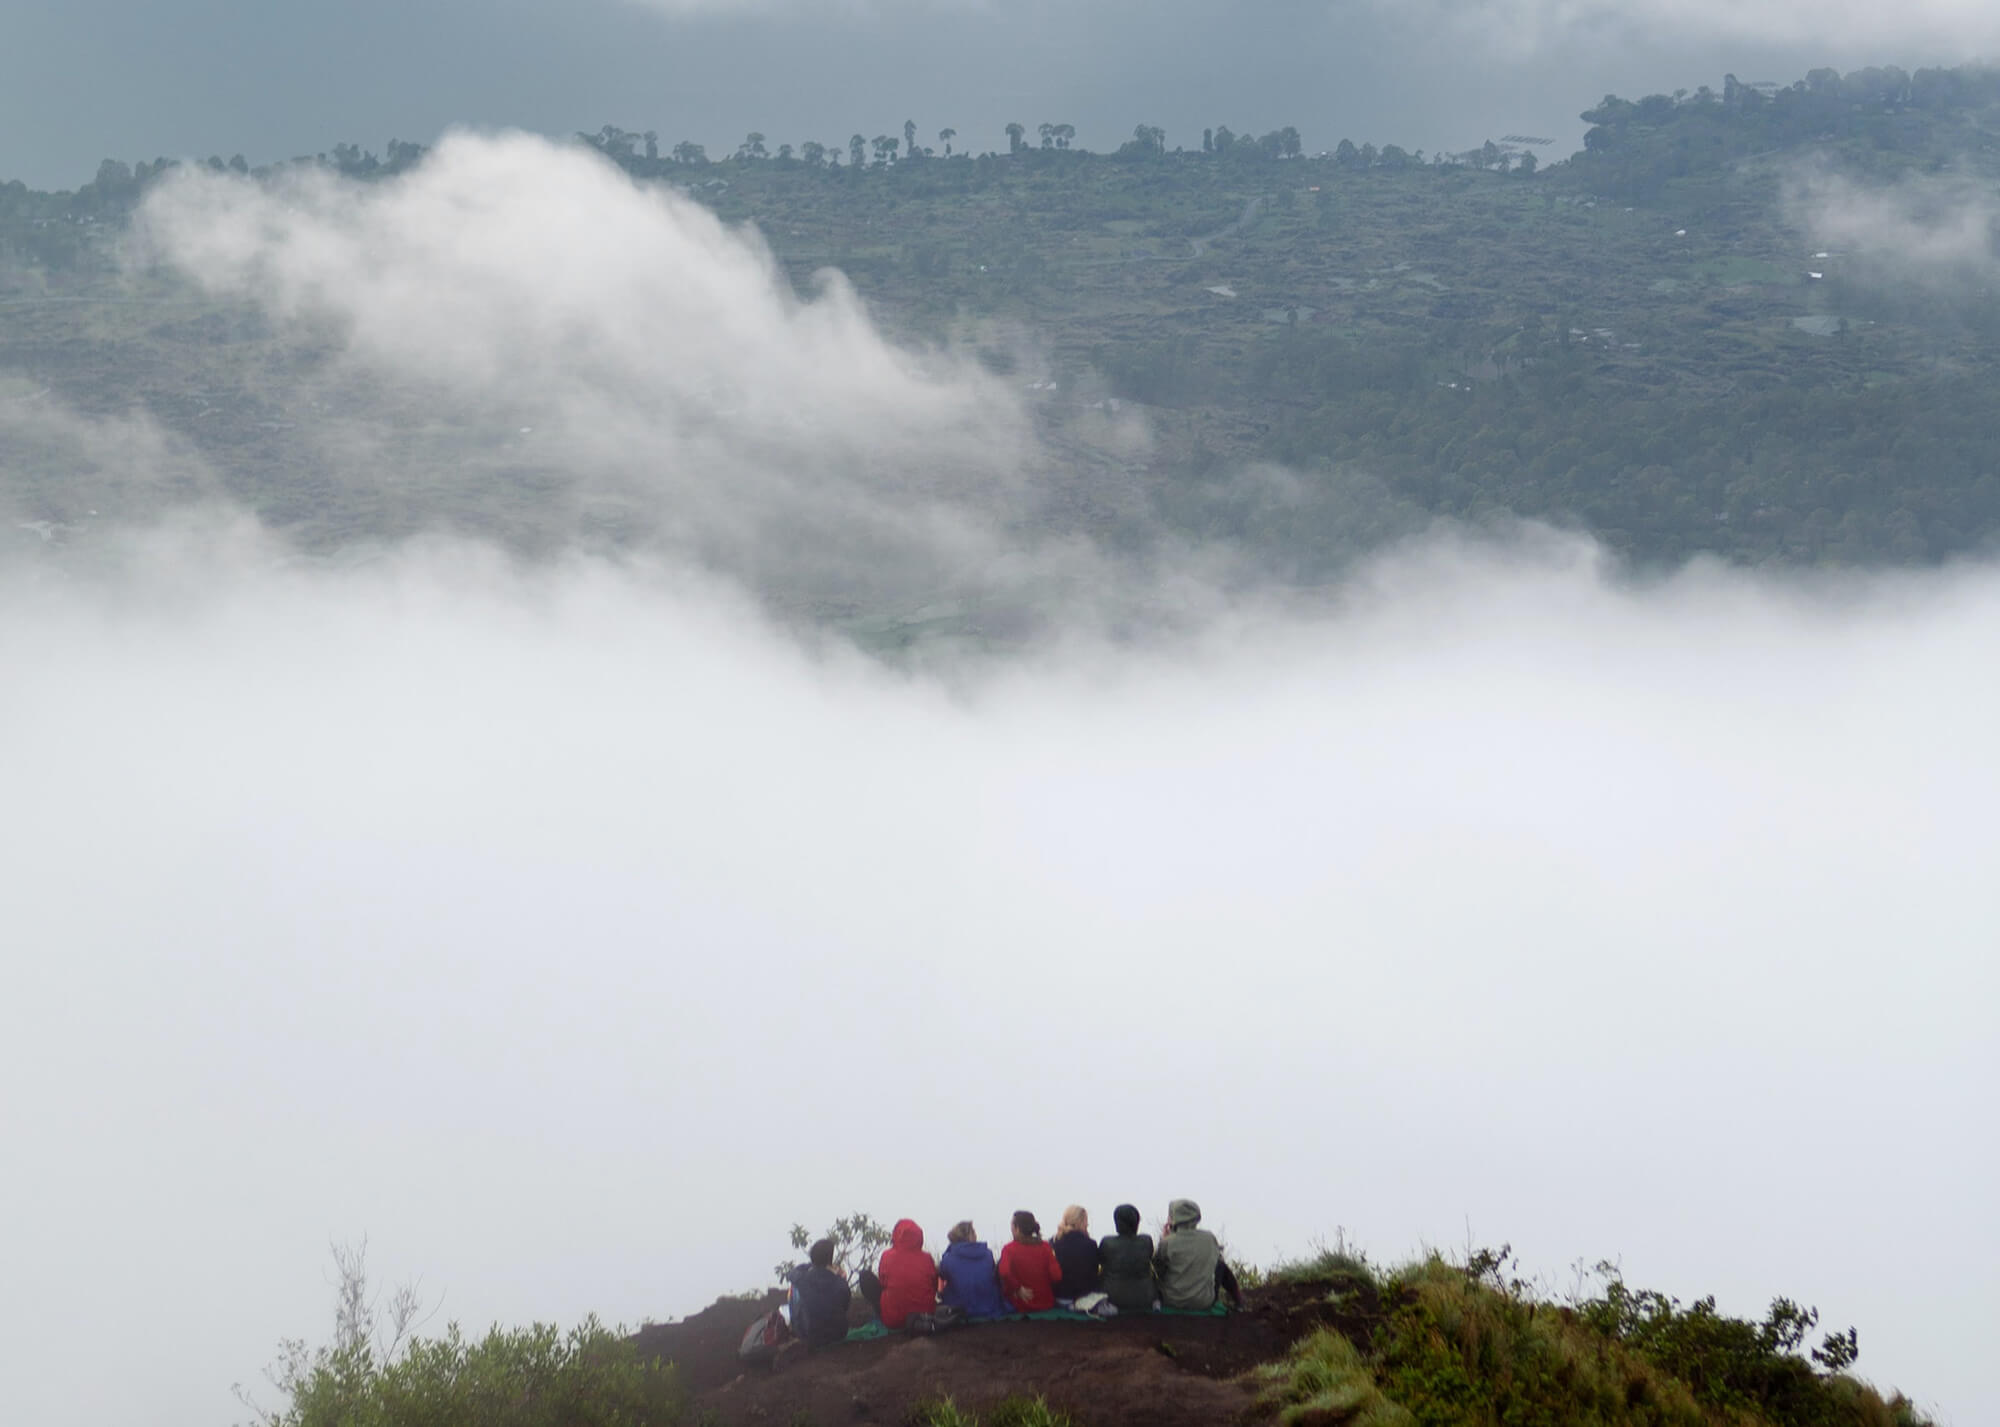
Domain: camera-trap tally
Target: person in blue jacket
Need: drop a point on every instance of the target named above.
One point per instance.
(967, 1277)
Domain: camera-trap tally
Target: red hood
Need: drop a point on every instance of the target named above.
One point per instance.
(907, 1235)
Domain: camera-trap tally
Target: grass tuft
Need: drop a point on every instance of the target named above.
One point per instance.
(1324, 1382)
(1011, 1412)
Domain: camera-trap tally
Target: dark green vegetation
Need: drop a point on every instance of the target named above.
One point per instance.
(526, 1377)
(378, 1372)
(1633, 342)
(1443, 1345)
(1013, 1412)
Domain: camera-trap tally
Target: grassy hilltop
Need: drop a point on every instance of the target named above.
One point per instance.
(1639, 341)
(1331, 1341)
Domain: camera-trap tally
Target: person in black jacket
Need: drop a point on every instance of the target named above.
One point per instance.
(1127, 1259)
(819, 1299)
(1077, 1253)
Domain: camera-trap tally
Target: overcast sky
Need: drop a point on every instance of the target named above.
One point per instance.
(86, 79)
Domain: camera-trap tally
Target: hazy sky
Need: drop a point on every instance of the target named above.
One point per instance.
(84, 79)
(570, 930)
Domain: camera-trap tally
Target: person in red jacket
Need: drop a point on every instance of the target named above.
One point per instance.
(1029, 1272)
(908, 1275)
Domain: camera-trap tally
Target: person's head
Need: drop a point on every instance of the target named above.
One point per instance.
(1027, 1229)
(1074, 1221)
(962, 1233)
(1126, 1218)
(1183, 1214)
(821, 1254)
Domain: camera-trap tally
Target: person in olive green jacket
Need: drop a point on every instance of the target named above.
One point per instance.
(1189, 1262)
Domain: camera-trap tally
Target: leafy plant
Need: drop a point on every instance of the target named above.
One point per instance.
(1729, 1362)
(858, 1240)
(539, 1376)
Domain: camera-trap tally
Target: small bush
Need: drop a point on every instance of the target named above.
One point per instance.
(526, 1377)
(1466, 1344)
(1324, 1381)
(1455, 1350)
(1327, 1262)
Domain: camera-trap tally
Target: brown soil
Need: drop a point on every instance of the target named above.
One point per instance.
(1160, 1371)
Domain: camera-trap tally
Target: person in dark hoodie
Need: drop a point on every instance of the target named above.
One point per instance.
(967, 1277)
(819, 1299)
(1127, 1257)
(909, 1276)
(1077, 1252)
(1189, 1262)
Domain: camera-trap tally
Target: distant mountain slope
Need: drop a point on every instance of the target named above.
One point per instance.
(1763, 326)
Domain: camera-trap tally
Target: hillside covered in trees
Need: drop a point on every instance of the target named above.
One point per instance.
(1756, 322)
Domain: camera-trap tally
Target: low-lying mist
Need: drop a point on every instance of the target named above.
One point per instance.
(572, 931)
(571, 917)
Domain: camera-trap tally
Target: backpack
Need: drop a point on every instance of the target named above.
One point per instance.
(765, 1336)
(946, 1317)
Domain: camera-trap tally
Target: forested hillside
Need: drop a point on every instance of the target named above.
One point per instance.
(1758, 322)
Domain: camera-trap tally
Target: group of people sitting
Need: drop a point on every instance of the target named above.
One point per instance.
(1123, 1273)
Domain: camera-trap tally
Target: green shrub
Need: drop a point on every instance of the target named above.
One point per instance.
(1324, 1380)
(1336, 1261)
(525, 1377)
(1736, 1364)
(1466, 1345)
(1457, 1351)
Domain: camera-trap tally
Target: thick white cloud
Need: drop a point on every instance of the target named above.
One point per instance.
(571, 932)
(515, 306)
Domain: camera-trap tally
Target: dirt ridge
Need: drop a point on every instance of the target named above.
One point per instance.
(1170, 1371)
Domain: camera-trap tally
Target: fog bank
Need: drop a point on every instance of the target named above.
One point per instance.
(572, 931)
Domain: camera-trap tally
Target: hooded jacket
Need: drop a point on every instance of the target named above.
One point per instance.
(1128, 1268)
(1186, 1259)
(971, 1282)
(1029, 1273)
(908, 1274)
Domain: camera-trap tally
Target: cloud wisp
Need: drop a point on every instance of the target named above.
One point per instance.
(1939, 231)
(546, 338)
